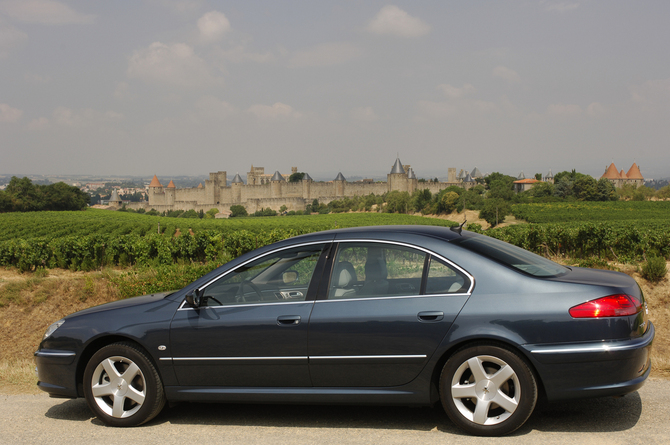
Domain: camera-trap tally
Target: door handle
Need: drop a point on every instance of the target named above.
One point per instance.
(430, 316)
(288, 320)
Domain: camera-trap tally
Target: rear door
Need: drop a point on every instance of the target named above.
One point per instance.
(384, 312)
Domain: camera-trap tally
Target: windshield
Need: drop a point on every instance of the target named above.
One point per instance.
(512, 256)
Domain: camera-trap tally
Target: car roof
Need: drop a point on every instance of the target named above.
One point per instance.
(444, 233)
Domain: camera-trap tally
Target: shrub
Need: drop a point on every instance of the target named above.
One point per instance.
(654, 269)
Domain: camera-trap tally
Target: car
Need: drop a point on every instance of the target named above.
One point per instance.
(402, 315)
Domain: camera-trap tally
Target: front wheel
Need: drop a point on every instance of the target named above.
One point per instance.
(487, 390)
(122, 386)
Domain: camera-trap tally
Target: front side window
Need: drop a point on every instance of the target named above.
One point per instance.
(369, 270)
(279, 276)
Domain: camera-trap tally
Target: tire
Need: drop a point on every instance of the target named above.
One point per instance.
(122, 386)
(487, 390)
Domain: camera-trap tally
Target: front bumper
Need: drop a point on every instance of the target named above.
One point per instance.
(56, 371)
(594, 369)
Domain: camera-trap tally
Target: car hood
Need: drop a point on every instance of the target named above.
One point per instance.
(128, 302)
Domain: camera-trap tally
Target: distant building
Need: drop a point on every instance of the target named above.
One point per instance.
(619, 178)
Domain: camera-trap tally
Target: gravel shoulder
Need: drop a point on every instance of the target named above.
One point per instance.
(639, 417)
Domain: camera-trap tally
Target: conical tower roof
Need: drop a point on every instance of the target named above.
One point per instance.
(397, 167)
(237, 179)
(521, 176)
(171, 185)
(200, 185)
(622, 174)
(468, 178)
(277, 177)
(340, 177)
(476, 173)
(155, 182)
(549, 175)
(461, 175)
(611, 172)
(634, 172)
(410, 174)
(307, 177)
(115, 196)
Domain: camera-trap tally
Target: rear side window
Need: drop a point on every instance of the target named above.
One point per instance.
(444, 279)
(512, 256)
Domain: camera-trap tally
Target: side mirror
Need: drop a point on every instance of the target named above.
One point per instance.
(289, 277)
(194, 298)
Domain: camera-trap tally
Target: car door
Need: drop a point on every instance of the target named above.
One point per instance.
(386, 309)
(252, 327)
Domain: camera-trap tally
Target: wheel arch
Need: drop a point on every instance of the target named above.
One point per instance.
(98, 344)
(490, 341)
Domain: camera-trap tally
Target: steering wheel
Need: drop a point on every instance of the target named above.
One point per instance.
(255, 288)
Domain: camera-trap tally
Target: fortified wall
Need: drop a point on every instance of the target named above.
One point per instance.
(274, 191)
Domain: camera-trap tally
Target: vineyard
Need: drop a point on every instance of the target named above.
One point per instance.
(95, 238)
(582, 211)
(617, 231)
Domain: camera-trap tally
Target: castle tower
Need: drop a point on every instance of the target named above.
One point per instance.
(170, 192)
(634, 175)
(237, 184)
(412, 182)
(306, 186)
(549, 177)
(114, 200)
(397, 179)
(339, 184)
(275, 184)
(451, 174)
(155, 194)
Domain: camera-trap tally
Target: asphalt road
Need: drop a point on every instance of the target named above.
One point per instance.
(641, 417)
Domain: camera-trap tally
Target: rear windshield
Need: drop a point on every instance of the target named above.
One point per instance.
(512, 256)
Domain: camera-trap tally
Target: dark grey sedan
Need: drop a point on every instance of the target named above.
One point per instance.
(406, 315)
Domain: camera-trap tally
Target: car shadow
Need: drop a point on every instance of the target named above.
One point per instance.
(591, 415)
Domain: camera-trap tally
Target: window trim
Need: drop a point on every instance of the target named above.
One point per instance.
(323, 297)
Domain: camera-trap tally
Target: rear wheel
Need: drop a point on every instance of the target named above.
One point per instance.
(487, 390)
(122, 386)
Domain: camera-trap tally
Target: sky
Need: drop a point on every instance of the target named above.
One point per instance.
(187, 87)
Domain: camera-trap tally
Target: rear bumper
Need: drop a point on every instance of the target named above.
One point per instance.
(595, 369)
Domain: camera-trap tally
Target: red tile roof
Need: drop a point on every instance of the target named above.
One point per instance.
(634, 172)
(171, 185)
(526, 181)
(611, 172)
(155, 182)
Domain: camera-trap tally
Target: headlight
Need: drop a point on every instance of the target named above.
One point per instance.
(51, 329)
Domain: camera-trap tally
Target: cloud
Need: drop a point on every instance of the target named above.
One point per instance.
(9, 114)
(67, 117)
(36, 78)
(212, 108)
(213, 26)
(596, 109)
(39, 124)
(652, 91)
(328, 54)
(273, 112)
(507, 74)
(560, 7)
(364, 114)
(436, 110)
(10, 37)
(564, 109)
(45, 12)
(180, 7)
(173, 65)
(239, 54)
(454, 92)
(394, 21)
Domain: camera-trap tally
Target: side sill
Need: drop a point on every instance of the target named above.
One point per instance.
(363, 396)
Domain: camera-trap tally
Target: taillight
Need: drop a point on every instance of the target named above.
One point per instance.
(619, 305)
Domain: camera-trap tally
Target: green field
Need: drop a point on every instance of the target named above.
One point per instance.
(91, 239)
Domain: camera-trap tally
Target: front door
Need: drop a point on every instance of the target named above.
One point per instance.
(252, 328)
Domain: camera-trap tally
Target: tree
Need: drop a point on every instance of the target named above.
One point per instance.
(542, 190)
(449, 201)
(494, 211)
(606, 190)
(585, 188)
(237, 211)
(420, 199)
(296, 177)
(283, 208)
(538, 176)
(211, 213)
(397, 202)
